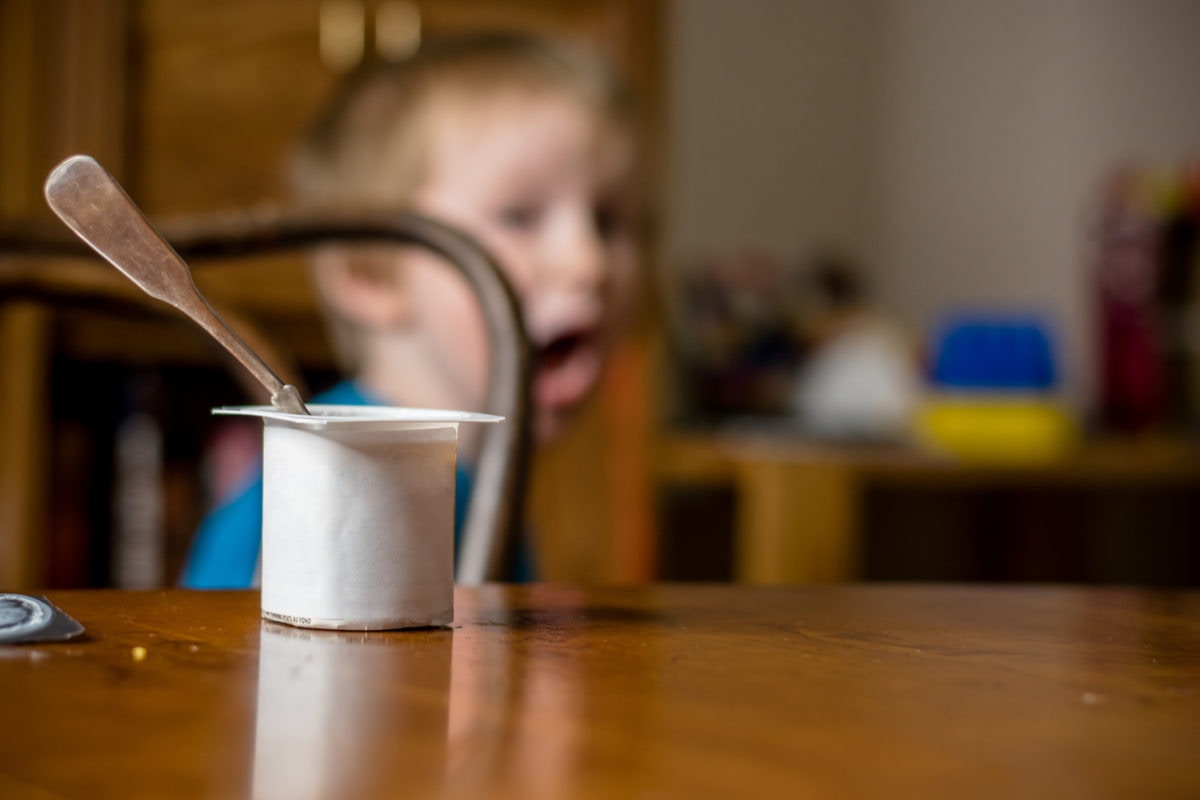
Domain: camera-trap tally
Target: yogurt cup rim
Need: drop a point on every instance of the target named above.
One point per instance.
(328, 415)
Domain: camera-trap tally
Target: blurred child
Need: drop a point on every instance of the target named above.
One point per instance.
(525, 144)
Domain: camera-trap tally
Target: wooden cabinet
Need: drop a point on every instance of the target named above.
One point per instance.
(223, 87)
(1109, 511)
(192, 104)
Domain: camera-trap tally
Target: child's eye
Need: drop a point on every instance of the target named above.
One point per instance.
(520, 218)
(610, 222)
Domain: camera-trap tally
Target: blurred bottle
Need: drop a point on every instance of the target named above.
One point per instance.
(1178, 303)
(1147, 254)
(1132, 384)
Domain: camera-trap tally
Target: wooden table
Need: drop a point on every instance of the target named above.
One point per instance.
(659, 691)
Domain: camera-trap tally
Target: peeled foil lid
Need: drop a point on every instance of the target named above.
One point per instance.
(33, 619)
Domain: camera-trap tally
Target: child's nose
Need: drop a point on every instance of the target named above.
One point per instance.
(580, 260)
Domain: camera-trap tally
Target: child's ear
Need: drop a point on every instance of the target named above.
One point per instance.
(363, 286)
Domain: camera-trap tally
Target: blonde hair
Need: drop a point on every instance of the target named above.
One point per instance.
(370, 146)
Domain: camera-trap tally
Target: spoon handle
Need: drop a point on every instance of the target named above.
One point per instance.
(98, 210)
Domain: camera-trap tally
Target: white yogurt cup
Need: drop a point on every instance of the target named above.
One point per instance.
(358, 515)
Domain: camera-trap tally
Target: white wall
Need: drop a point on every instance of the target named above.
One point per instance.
(955, 145)
(766, 124)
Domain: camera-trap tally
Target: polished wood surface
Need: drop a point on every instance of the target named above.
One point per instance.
(660, 691)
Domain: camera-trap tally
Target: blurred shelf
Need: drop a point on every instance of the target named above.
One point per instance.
(800, 504)
(716, 456)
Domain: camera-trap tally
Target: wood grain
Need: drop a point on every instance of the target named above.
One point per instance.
(658, 691)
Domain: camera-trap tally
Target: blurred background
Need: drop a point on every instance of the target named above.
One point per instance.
(922, 285)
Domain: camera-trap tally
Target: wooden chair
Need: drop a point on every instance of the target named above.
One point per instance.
(496, 507)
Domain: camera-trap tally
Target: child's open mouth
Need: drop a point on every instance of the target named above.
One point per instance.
(568, 366)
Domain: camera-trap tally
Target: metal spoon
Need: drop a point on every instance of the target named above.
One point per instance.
(94, 205)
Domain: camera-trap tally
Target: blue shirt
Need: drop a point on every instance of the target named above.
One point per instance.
(226, 548)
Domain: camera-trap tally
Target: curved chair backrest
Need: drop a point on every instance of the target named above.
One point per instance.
(496, 509)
